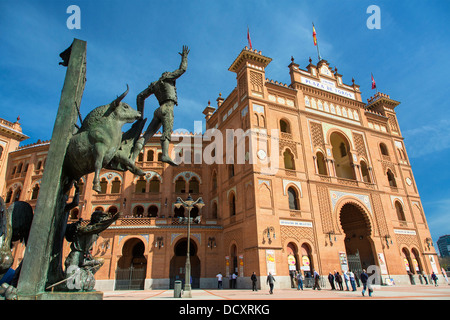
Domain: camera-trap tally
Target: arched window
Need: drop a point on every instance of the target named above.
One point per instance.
(214, 210)
(138, 212)
(391, 179)
(141, 185)
(180, 185)
(321, 164)
(178, 212)
(99, 209)
(284, 126)
(399, 210)
(19, 168)
(193, 185)
(115, 188)
(232, 204)
(39, 165)
(9, 196)
(141, 157)
(383, 149)
(112, 209)
(154, 185)
(342, 157)
(152, 211)
(103, 186)
(288, 160)
(17, 194)
(365, 172)
(35, 192)
(150, 155)
(293, 199)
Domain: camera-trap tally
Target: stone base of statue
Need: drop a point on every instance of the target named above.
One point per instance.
(94, 295)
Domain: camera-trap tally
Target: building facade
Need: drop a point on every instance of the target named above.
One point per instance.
(294, 177)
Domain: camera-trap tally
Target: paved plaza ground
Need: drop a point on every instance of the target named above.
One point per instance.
(408, 292)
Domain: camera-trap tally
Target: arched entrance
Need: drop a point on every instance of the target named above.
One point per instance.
(358, 243)
(132, 266)
(292, 253)
(178, 264)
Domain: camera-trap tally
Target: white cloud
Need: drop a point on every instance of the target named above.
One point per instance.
(427, 139)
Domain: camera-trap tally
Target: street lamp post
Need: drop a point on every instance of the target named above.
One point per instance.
(188, 204)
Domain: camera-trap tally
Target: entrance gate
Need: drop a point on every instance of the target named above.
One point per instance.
(354, 263)
(130, 278)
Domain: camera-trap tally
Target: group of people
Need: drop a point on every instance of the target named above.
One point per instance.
(233, 276)
(350, 277)
(336, 280)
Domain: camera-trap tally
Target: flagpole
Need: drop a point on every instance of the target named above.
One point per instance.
(317, 44)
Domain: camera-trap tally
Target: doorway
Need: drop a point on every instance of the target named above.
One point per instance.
(132, 266)
(358, 243)
(178, 264)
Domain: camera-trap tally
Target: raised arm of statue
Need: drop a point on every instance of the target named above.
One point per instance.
(183, 65)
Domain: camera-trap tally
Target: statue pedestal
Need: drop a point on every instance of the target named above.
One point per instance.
(94, 295)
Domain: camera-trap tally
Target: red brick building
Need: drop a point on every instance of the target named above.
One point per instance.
(327, 186)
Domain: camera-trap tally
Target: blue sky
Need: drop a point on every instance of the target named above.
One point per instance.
(133, 42)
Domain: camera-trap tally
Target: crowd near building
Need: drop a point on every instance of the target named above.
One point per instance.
(327, 186)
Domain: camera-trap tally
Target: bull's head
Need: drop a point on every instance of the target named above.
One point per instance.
(123, 111)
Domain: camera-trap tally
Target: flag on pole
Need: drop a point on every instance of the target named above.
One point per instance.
(315, 42)
(374, 85)
(248, 38)
(314, 35)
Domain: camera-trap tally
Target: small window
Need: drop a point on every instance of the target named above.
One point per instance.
(284, 126)
(365, 172)
(288, 160)
(180, 185)
(116, 186)
(400, 212)
(103, 186)
(35, 193)
(150, 155)
(391, 179)
(383, 149)
(232, 204)
(321, 164)
(141, 185)
(293, 199)
(154, 185)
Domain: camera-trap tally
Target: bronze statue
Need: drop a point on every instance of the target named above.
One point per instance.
(165, 91)
(97, 143)
(15, 224)
(80, 264)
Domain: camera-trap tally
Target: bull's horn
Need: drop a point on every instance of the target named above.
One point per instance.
(116, 102)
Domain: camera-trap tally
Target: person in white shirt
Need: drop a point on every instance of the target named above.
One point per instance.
(219, 280)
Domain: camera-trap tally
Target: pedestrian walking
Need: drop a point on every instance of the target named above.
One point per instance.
(316, 280)
(254, 280)
(434, 278)
(338, 279)
(346, 278)
(300, 280)
(364, 279)
(271, 281)
(351, 276)
(233, 279)
(219, 280)
(331, 280)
